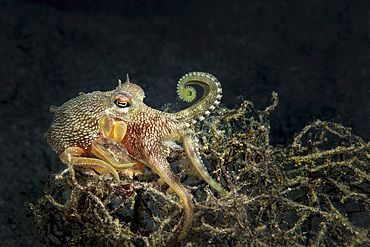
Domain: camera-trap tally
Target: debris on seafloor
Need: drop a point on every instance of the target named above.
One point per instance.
(313, 192)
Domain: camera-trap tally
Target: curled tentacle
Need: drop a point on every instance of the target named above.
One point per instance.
(207, 103)
(186, 93)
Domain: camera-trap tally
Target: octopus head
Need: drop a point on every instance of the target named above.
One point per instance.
(135, 90)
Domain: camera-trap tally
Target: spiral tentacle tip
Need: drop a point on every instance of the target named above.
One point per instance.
(187, 94)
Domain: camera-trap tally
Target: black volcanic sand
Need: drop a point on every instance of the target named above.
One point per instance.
(314, 54)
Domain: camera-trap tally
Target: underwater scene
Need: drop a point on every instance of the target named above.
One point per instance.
(311, 192)
(253, 168)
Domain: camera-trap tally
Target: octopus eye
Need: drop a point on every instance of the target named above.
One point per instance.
(122, 102)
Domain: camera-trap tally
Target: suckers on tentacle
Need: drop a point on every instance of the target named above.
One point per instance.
(206, 104)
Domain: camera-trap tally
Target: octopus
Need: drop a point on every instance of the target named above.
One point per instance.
(116, 131)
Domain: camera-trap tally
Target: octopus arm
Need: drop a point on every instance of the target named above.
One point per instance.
(159, 165)
(194, 156)
(206, 104)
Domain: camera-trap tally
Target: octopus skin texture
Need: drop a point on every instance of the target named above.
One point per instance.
(116, 131)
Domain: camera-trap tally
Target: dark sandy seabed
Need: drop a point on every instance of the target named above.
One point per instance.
(314, 54)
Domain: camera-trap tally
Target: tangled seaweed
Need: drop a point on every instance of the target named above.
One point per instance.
(314, 192)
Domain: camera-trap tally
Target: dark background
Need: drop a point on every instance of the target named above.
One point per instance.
(315, 54)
